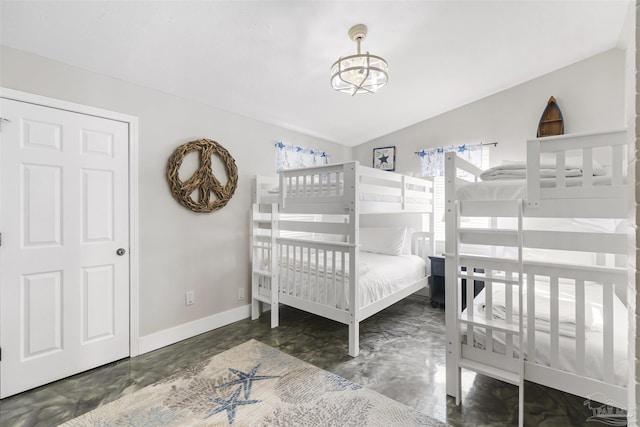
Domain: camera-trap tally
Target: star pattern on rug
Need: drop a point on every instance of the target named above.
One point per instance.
(230, 405)
(302, 395)
(246, 379)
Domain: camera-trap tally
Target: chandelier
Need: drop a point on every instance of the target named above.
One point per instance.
(359, 73)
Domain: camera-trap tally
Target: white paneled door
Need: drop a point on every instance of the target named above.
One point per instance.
(64, 262)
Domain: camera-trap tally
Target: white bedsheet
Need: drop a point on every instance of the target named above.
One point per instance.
(594, 361)
(380, 276)
(388, 274)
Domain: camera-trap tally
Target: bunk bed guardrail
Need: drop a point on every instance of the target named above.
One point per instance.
(558, 146)
(330, 189)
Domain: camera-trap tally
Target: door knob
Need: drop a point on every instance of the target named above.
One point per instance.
(121, 252)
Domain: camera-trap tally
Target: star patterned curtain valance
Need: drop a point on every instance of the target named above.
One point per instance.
(295, 156)
(432, 160)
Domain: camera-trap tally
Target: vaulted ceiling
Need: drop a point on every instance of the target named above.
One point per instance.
(270, 60)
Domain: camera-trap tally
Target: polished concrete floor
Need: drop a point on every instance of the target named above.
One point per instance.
(402, 356)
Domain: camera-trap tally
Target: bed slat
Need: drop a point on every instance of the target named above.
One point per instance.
(317, 278)
(555, 336)
(470, 307)
(509, 317)
(580, 327)
(488, 289)
(607, 302)
(587, 167)
(325, 282)
(531, 308)
(309, 281)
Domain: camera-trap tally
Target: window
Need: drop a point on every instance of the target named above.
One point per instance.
(432, 164)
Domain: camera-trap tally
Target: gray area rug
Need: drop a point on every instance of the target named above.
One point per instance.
(254, 385)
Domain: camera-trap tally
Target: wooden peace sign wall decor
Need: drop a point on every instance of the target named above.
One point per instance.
(203, 178)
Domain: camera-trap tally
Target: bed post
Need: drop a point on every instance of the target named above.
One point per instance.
(354, 338)
(351, 191)
(451, 279)
(275, 279)
(533, 173)
(255, 303)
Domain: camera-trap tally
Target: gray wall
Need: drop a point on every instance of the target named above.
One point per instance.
(590, 94)
(179, 250)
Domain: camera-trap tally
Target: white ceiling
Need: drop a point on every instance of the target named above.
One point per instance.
(270, 60)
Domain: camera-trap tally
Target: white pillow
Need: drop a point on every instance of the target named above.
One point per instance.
(382, 240)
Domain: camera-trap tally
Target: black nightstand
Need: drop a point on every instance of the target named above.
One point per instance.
(437, 283)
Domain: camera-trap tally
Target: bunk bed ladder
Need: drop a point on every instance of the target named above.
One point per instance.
(520, 314)
(513, 374)
(264, 230)
(273, 261)
(258, 249)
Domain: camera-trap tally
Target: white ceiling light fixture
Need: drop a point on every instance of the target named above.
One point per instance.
(360, 73)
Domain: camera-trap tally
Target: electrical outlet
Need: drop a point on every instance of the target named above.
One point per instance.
(240, 294)
(189, 298)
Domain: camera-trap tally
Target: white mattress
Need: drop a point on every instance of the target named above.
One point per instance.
(380, 276)
(594, 364)
(513, 189)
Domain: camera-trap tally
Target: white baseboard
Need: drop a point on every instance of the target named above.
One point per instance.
(173, 335)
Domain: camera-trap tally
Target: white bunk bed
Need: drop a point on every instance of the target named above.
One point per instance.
(325, 237)
(553, 245)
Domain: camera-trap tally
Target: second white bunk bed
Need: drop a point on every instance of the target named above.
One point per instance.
(552, 257)
(340, 241)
